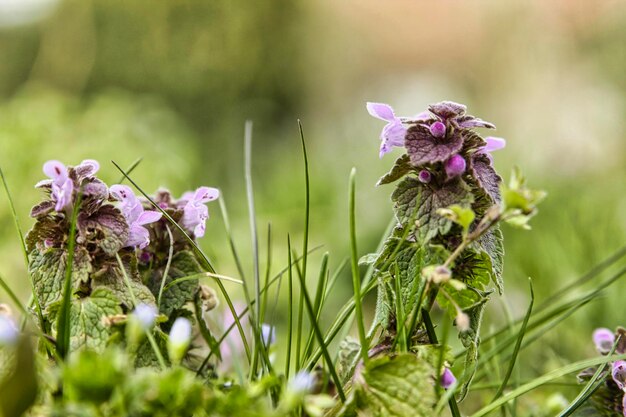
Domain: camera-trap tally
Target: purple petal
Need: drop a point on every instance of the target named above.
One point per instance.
(619, 373)
(62, 194)
(148, 217)
(87, 168)
(493, 144)
(381, 111)
(138, 236)
(55, 170)
(122, 192)
(206, 194)
(603, 339)
(447, 378)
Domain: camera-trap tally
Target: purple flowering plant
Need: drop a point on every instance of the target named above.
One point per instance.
(124, 253)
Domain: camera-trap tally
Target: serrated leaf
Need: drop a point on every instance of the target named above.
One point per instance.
(111, 277)
(349, 349)
(492, 242)
(42, 209)
(424, 148)
(183, 264)
(106, 228)
(87, 325)
(411, 193)
(401, 167)
(397, 386)
(486, 177)
(47, 270)
(46, 229)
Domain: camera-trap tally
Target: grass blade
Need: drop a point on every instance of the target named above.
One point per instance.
(356, 278)
(130, 169)
(589, 388)
(544, 379)
(18, 228)
(518, 344)
(153, 343)
(320, 338)
(170, 255)
(430, 330)
(63, 321)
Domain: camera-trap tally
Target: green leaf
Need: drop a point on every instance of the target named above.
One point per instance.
(399, 386)
(93, 376)
(47, 269)
(464, 216)
(401, 167)
(411, 194)
(87, 327)
(111, 277)
(492, 243)
(183, 264)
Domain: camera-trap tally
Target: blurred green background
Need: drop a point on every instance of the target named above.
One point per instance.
(174, 81)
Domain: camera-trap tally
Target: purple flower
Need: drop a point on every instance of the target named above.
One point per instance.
(447, 378)
(619, 374)
(603, 339)
(61, 184)
(195, 212)
(455, 166)
(394, 131)
(136, 216)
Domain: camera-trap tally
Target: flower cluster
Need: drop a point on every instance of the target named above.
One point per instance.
(612, 394)
(436, 135)
(120, 240)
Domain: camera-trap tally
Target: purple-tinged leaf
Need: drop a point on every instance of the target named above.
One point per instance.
(486, 177)
(423, 148)
(447, 109)
(42, 209)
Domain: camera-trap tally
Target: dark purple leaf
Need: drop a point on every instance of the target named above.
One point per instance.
(424, 148)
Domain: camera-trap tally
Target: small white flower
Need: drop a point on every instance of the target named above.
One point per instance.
(267, 334)
(302, 382)
(8, 331)
(146, 316)
(180, 337)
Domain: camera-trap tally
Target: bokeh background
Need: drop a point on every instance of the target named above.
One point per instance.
(174, 81)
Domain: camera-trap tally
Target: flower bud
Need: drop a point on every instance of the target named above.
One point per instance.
(455, 166)
(438, 129)
(180, 337)
(302, 383)
(462, 322)
(603, 339)
(441, 274)
(447, 378)
(424, 176)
